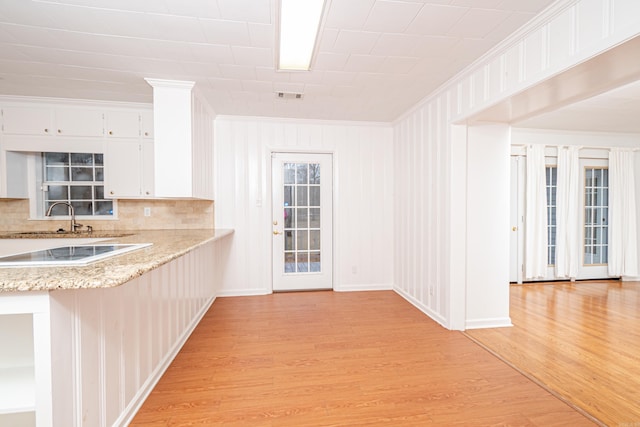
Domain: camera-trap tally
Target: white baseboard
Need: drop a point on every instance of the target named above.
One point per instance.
(131, 410)
(244, 292)
(423, 308)
(497, 322)
(368, 287)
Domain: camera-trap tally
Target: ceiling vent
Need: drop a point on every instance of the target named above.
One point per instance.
(289, 95)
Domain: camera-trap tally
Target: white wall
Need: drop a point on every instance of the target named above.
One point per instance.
(428, 264)
(487, 252)
(363, 197)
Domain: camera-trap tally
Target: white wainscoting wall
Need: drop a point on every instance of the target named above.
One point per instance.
(110, 346)
(431, 270)
(363, 197)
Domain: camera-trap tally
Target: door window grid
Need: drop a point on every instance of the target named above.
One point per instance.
(552, 181)
(302, 218)
(596, 215)
(76, 178)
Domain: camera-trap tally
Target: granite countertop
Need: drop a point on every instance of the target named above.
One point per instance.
(114, 271)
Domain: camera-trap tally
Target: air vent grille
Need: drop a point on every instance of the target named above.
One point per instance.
(289, 95)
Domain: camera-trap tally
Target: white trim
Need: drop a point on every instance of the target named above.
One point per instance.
(423, 308)
(364, 287)
(66, 102)
(325, 122)
(496, 322)
(244, 292)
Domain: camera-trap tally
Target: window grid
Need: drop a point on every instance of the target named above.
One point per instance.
(302, 218)
(76, 178)
(552, 181)
(596, 215)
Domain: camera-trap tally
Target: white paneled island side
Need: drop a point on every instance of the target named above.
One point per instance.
(86, 345)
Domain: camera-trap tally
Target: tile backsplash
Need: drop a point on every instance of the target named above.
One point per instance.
(165, 214)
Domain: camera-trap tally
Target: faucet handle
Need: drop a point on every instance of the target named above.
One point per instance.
(76, 226)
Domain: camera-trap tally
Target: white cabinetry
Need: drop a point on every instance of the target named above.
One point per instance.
(128, 168)
(27, 121)
(183, 141)
(123, 124)
(49, 120)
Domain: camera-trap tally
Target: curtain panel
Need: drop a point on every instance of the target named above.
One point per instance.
(568, 233)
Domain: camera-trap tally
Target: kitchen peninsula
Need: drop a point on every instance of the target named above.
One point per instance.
(90, 342)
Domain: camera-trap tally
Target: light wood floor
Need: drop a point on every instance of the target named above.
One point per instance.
(581, 340)
(341, 359)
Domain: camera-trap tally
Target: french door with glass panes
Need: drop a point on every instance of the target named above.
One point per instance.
(302, 221)
(595, 218)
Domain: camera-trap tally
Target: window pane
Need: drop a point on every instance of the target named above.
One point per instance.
(314, 217)
(303, 262)
(314, 262)
(83, 208)
(288, 240)
(302, 240)
(301, 196)
(56, 159)
(289, 173)
(288, 195)
(314, 196)
(288, 218)
(57, 174)
(289, 263)
(99, 159)
(99, 192)
(81, 159)
(99, 174)
(314, 236)
(81, 174)
(104, 208)
(302, 220)
(301, 173)
(314, 173)
(81, 192)
(58, 192)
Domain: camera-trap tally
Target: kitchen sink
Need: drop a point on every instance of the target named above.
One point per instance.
(63, 234)
(69, 255)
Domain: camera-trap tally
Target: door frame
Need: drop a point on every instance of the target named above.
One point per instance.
(334, 180)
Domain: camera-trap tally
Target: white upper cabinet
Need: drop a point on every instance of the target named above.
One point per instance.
(47, 121)
(122, 124)
(78, 121)
(183, 141)
(146, 124)
(27, 121)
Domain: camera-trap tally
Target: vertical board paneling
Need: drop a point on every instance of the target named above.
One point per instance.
(114, 343)
(361, 152)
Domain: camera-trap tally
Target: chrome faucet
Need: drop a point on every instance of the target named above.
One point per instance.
(73, 225)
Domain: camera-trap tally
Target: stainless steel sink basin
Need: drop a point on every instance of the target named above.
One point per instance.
(63, 234)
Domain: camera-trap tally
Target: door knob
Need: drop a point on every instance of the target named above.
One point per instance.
(514, 228)
(276, 232)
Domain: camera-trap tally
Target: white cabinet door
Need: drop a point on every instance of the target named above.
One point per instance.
(27, 121)
(79, 122)
(122, 169)
(146, 124)
(122, 124)
(148, 167)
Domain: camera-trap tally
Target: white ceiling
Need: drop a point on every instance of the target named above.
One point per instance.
(615, 111)
(376, 58)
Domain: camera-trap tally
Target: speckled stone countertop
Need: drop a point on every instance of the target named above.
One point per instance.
(114, 271)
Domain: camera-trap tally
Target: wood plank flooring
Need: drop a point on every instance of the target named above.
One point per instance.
(340, 359)
(581, 340)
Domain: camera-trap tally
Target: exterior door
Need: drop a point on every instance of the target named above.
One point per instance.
(302, 221)
(516, 242)
(595, 218)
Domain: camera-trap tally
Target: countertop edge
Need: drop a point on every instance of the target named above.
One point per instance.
(106, 274)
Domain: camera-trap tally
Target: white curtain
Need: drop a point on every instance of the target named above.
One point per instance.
(535, 254)
(568, 233)
(623, 250)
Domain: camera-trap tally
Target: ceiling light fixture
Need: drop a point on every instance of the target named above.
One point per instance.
(299, 28)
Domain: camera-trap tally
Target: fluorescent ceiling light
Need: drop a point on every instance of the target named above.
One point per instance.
(299, 25)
